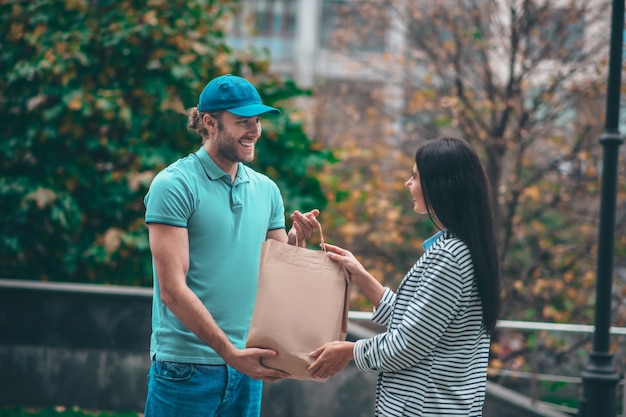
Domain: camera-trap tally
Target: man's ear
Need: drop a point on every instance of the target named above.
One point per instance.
(209, 122)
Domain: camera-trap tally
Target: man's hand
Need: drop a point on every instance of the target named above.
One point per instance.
(304, 225)
(248, 361)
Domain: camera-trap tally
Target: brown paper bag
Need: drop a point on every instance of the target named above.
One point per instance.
(302, 303)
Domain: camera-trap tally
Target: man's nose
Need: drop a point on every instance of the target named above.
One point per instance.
(256, 129)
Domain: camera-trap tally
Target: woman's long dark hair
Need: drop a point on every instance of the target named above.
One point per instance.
(456, 193)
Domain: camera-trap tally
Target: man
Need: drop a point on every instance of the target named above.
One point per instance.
(208, 215)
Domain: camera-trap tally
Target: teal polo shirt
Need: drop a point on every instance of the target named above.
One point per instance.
(227, 223)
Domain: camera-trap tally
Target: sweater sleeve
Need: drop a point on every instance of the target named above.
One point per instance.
(436, 291)
(382, 314)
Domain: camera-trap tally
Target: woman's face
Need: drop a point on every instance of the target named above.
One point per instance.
(415, 188)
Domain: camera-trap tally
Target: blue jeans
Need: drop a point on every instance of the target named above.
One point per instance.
(189, 390)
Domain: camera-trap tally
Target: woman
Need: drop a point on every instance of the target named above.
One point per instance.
(432, 360)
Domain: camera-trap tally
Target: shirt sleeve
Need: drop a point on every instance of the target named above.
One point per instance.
(430, 310)
(277, 220)
(169, 200)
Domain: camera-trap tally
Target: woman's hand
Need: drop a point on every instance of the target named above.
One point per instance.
(330, 358)
(370, 287)
(346, 258)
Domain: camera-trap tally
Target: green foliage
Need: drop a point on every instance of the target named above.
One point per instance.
(372, 212)
(287, 155)
(92, 105)
(58, 412)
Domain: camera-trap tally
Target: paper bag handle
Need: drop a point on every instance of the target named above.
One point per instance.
(321, 238)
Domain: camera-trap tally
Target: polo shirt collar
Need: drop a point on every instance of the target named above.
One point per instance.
(431, 240)
(214, 172)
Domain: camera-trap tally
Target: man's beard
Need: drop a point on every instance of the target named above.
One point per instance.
(228, 148)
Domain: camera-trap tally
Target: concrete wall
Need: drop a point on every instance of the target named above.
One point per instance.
(87, 346)
(73, 345)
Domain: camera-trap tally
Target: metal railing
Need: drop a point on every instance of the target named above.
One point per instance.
(533, 376)
(528, 326)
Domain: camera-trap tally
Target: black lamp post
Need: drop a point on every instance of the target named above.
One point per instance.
(599, 377)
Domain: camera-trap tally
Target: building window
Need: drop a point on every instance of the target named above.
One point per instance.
(268, 24)
(353, 25)
(275, 18)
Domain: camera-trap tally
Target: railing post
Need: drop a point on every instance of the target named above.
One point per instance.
(599, 377)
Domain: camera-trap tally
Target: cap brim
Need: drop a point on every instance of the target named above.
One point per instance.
(253, 110)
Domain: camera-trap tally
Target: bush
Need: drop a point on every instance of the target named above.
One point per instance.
(92, 104)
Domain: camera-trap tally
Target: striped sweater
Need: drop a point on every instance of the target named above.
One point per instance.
(432, 360)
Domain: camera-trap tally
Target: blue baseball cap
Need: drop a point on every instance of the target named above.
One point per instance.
(233, 94)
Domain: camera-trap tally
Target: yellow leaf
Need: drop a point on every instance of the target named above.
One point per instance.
(42, 197)
(533, 193)
(112, 239)
(173, 103)
(351, 229)
(135, 179)
(150, 17)
(496, 363)
(589, 279)
(187, 58)
(538, 226)
(549, 312)
(75, 103)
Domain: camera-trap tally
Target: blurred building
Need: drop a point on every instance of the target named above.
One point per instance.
(367, 58)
